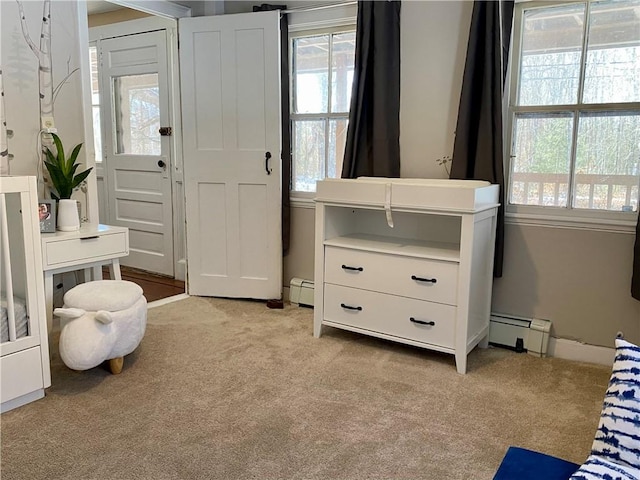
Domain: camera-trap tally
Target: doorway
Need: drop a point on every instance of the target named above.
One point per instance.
(232, 141)
(136, 127)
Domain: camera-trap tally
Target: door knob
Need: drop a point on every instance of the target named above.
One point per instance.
(161, 164)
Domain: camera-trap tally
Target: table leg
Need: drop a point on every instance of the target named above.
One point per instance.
(114, 269)
(97, 273)
(86, 275)
(48, 299)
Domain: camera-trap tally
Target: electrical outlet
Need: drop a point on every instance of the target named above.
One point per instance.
(47, 123)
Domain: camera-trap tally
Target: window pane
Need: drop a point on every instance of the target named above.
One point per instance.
(613, 55)
(95, 102)
(93, 58)
(337, 140)
(137, 114)
(608, 161)
(310, 74)
(308, 137)
(344, 45)
(97, 133)
(540, 169)
(551, 51)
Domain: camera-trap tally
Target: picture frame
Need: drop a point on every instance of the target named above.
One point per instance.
(47, 216)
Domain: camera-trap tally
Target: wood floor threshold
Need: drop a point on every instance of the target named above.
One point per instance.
(155, 287)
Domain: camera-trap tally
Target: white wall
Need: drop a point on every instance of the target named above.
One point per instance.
(578, 279)
(20, 72)
(433, 47)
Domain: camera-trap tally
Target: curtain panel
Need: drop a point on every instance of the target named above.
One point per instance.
(285, 121)
(373, 137)
(478, 146)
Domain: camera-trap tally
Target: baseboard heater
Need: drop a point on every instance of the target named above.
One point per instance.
(301, 292)
(520, 334)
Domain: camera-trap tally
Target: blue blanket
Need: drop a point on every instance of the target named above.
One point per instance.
(523, 464)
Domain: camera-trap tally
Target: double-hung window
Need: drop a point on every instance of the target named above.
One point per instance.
(575, 109)
(95, 102)
(321, 79)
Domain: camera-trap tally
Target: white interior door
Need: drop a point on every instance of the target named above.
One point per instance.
(230, 86)
(135, 96)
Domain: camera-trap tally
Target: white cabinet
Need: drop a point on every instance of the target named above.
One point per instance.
(407, 260)
(24, 347)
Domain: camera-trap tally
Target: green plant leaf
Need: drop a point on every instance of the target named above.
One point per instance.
(60, 153)
(50, 156)
(80, 177)
(63, 170)
(74, 153)
(57, 177)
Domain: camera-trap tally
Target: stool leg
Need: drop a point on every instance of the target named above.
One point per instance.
(115, 365)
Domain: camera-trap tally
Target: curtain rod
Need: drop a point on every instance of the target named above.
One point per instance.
(318, 7)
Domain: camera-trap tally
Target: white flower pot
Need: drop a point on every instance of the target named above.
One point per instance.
(68, 218)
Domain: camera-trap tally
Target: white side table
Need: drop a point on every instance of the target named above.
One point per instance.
(86, 249)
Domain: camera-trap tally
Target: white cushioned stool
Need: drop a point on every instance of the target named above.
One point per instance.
(105, 320)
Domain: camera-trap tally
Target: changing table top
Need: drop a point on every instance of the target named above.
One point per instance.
(420, 193)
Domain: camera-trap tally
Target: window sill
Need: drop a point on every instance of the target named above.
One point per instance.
(574, 223)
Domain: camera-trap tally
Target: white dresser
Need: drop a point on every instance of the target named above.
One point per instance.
(408, 260)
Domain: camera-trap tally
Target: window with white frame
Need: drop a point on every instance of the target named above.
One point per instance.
(95, 102)
(575, 108)
(321, 79)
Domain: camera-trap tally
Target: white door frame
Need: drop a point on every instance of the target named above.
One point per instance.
(133, 27)
(166, 11)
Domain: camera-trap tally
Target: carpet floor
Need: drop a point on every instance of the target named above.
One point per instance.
(228, 389)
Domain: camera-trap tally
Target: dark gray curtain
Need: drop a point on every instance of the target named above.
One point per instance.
(635, 281)
(478, 146)
(286, 124)
(373, 137)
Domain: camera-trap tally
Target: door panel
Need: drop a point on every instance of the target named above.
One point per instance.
(230, 84)
(135, 94)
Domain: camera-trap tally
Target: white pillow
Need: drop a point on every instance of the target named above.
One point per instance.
(616, 447)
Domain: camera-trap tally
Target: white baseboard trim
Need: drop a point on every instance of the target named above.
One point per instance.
(164, 301)
(580, 352)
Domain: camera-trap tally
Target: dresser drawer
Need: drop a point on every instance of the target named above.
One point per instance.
(391, 315)
(67, 252)
(418, 278)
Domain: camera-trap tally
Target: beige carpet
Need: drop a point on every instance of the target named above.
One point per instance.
(224, 389)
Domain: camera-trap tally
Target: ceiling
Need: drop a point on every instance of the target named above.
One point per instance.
(100, 6)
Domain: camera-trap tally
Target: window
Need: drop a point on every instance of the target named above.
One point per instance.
(137, 114)
(321, 78)
(95, 103)
(575, 107)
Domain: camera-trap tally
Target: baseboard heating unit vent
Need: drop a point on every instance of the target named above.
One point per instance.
(301, 292)
(520, 334)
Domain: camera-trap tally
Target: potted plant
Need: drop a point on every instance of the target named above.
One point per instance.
(64, 178)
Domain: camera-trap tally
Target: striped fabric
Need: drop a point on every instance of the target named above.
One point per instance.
(597, 468)
(615, 453)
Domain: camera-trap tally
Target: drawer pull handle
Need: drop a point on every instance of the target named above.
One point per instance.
(349, 307)
(420, 279)
(422, 322)
(357, 269)
(90, 238)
